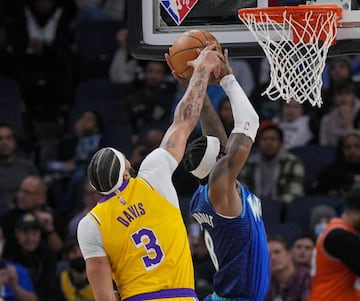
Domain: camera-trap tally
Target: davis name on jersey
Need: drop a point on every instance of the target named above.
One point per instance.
(132, 212)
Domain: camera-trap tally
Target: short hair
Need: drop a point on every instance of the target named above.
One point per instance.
(106, 170)
(280, 239)
(270, 125)
(194, 152)
(303, 236)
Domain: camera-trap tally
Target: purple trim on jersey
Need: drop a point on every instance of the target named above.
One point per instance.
(122, 187)
(169, 293)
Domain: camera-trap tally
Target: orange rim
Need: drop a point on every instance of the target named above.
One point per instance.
(277, 12)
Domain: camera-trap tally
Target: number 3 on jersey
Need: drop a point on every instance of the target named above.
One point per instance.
(147, 239)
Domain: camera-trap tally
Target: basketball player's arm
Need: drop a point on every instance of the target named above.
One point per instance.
(345, 246)
(98, 271)
(188, 110)
(223, 190)
(98, 268)
(210, 122)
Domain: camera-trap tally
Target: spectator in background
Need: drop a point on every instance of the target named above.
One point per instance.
(32, 198)
(336, 272)
(302, 250)
(272, 172)
(320, 216)
(44, 61)
(341, 117)
(15, 282)
(34, 254)
(288, 281)
(226, 116)
(75, 150)
(295, 125)
(152, 139)
(73, 283)
(338, 177)
(90, 199)
(337, 69)
(101, 10)
(244, 74)
(124, 68)
(13, 168)
(152, 102)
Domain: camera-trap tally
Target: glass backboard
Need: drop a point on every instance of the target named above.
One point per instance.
(154, 25)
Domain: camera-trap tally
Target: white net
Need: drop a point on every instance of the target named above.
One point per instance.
(296, 51)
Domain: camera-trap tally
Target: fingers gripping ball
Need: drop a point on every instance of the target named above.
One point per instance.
(185, 47)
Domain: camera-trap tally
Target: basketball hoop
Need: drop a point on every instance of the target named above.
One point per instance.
(296, 40)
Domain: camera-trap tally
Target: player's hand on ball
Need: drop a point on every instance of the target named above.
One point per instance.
(210, 58)
(173, 71)
(225, 69)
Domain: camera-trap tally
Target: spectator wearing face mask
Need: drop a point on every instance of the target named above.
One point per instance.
(73, 283)
(320, 217)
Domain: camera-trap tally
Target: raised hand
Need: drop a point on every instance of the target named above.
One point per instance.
(209, 57)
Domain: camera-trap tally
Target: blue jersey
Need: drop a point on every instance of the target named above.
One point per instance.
(237, 246)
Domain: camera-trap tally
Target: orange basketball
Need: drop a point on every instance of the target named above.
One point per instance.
(184, 49)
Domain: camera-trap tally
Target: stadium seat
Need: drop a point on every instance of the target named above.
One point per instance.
(102, 96)
(118, 137)
(11, 103)
(289, 231)
(96, 44)
(314, 158)
(270, 211)
(299, 210)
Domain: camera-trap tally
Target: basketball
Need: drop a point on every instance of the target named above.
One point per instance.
(184, 49)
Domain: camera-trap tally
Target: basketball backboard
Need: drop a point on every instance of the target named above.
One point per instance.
(155, 24)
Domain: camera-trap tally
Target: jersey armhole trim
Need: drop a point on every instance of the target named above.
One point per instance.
(94, 217)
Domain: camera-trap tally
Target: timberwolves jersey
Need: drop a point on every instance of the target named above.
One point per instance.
(146, 242)
(237, 246)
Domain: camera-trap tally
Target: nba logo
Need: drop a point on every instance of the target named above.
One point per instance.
(178, 9)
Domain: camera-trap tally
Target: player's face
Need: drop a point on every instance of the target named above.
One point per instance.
(280, 258)
(302, 251)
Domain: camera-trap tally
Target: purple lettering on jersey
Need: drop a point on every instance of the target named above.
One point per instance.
(141, 208)
(124, 222)
(133, 211)
(128, 216)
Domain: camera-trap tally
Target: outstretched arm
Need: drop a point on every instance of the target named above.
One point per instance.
(211, 124)
(223, 191)
(188, 110)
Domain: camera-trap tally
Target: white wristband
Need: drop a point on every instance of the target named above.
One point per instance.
(246, 120)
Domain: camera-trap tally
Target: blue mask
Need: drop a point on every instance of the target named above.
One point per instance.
(319, 228)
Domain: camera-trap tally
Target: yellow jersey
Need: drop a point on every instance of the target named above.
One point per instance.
(71, 293)
(145, 239)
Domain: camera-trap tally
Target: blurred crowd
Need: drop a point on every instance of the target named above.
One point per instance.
(76, 92)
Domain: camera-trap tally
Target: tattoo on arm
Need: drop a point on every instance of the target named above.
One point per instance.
(236, 143)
